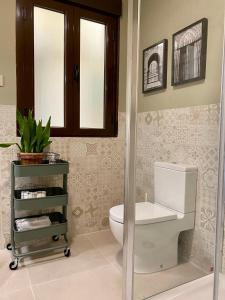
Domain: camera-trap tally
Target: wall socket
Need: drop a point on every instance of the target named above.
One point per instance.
(1, 80)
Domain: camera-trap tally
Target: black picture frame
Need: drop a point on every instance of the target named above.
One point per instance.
(189, 56)
(155, 56)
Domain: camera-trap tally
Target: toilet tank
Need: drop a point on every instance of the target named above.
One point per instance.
(176, 186)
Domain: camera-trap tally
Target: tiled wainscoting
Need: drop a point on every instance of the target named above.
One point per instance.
(96, 179)
(190, 136)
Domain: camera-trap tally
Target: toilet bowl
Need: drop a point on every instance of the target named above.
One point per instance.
(158, 224)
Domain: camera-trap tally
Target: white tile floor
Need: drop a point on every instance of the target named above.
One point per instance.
(92, 272)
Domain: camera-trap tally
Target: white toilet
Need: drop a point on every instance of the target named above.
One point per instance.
(159, 224)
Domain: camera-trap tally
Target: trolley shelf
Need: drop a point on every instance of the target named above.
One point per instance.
(35, 234)
(58, 227)
(30, 250)
(44, 169)
(56, 196)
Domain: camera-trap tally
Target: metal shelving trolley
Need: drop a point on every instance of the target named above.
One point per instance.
(55, 197)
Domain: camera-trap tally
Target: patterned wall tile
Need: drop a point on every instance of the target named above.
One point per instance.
(96, 179)
(7, 128)
(190, 136)
(208, 219)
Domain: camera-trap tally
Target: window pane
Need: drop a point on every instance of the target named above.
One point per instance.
(92, 74)
(49, 65)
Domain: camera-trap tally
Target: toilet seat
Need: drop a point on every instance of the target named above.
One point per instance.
(146, 213)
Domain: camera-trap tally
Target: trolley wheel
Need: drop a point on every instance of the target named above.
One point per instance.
(55, 238)
(9, 247)
(67, 252)
(14, 264)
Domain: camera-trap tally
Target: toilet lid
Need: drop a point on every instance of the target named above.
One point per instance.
(146, 213)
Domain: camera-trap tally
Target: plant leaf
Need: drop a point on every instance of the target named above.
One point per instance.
(43, 135)
(26, 136)
(6, 145)
(9, 145)
(20, 120)
(34, 137)
(39, 131)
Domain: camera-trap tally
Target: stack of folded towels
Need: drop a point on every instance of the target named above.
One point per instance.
(32, 223)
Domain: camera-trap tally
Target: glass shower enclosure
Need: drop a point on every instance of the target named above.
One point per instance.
(183, 123)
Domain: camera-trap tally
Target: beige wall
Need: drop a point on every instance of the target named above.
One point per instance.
(8, 54)
(7, 51)
(159, 20)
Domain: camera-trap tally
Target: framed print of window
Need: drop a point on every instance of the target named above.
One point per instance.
(189, 53)
(155, 67)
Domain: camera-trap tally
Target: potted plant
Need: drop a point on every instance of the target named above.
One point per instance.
(34, 138)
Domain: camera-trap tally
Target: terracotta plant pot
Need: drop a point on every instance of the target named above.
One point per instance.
(30, 158)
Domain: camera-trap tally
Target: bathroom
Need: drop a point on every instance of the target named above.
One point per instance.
(157, 142)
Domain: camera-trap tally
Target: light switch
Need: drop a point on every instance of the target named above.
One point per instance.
(1, 80)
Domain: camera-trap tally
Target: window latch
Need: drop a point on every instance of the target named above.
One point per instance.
(76, 73)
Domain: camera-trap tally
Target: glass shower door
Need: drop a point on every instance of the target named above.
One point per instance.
(175, 123)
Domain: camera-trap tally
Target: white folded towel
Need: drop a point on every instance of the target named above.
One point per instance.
(32, 223)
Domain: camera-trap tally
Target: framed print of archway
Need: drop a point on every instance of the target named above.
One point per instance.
(155, 67)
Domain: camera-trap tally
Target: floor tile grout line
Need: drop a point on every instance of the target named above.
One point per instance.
(11, 257)
(73, 273)
(92, 233)
(95, 233)
(17, 289)
(31, 286)
(111, 262)
(100, 252)
(117, 268)
(67, 276)
(57, 279)
(199, 268)
(97, 250)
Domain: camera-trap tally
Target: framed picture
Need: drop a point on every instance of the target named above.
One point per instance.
(189, 53)
(155, 67)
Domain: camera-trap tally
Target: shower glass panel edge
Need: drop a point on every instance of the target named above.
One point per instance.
(131, 122)
(221, 185)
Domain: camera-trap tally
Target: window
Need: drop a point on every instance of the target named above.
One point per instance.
(67, 67)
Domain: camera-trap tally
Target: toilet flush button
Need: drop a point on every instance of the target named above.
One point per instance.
(1, 80)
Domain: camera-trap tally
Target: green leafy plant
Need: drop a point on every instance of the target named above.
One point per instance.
(34, 136)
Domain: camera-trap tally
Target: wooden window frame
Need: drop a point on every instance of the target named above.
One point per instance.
(25, 65)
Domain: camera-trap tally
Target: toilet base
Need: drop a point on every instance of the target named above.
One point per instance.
(156, 259)
(139, 269)
(152, 252)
